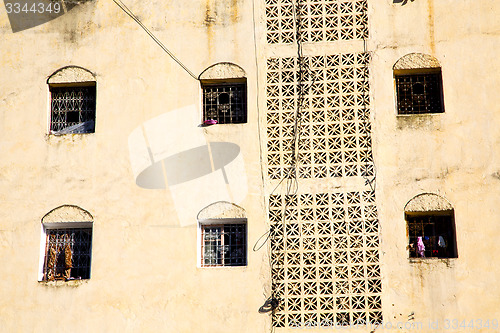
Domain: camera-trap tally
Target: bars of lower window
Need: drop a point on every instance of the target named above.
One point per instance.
(419, 93)
(224, 245)
(67, 254)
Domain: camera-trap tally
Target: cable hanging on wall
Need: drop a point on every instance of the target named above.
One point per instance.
(127, 11)
(290, 176)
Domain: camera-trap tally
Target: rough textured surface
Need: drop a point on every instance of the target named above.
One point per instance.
(67, 213)
(71, 74)
(144, 254)
(222, 210)
(223, 70)
(416, 61)
(428, 202)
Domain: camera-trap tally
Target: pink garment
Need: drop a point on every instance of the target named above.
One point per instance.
(420, 247)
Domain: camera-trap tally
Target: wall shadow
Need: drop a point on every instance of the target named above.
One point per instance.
(26, 14)
(188, 165)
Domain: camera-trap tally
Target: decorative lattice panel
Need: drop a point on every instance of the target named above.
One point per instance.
(335, 131)
(325, 259)
(320, 20)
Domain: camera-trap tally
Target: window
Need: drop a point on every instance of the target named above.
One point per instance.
(223, 245)
(225, 103)
(67, 254)
(72, 100)
(419, 84)
(66, 244)
(431, 235)
(73, 109)
(224, 88)
(431, 227)
(419, 93)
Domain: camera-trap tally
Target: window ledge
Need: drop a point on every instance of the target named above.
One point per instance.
(431, 260)
(62, 283)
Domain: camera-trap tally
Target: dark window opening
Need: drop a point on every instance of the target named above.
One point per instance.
(419, 93)
(431, 235)
(225, 103)
(223, 245)
(73, 109)
(67, 254)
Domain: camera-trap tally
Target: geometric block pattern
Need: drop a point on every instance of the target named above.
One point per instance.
(335, 129)
(325, 259)
(320, 20)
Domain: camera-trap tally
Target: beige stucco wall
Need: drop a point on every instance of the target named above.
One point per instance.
(144, 258)
(145, 276)
(454, 154)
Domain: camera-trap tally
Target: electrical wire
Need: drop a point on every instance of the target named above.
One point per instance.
(371, 182)
(127, 11)
(290, 175)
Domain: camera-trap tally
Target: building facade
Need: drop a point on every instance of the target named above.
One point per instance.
(249, 166)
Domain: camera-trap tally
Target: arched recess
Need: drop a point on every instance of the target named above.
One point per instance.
(221, 210)
(222, 71)
(67, 213)
(431, 230)
(416, 61)
(224, 87)
(427, 202)
(71, 74)
(222, 235)
(66, 244)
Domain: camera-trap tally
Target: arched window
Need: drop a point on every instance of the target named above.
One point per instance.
(224, 88)
(419, 86)
(223, 234)
(66, 245)
(431, 227)
(72, 101)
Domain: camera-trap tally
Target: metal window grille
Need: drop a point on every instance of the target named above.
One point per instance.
(67, 254)
(224, 245)
(225, 103)
(73, 106)
(430, 228)
(419, 93)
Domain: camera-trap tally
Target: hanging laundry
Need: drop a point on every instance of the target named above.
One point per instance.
(420, 247)
(441, 242)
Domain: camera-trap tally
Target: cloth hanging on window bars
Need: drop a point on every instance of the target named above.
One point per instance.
(441, 242)
(420, 246)
(58, 248)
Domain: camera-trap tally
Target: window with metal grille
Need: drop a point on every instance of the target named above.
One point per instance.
(67, 254)
(419, 93)
(225, 103)
(223, 245)
(73, 109)
(431, 235)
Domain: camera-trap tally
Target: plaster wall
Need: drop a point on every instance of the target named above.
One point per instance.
(144, 274)
(453, 154)
(144, 269)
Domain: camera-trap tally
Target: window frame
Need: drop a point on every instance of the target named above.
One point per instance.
(69, 85)
(399, 73)
(220, 222)
(43, 244)
(451, 239)
(212, 83)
